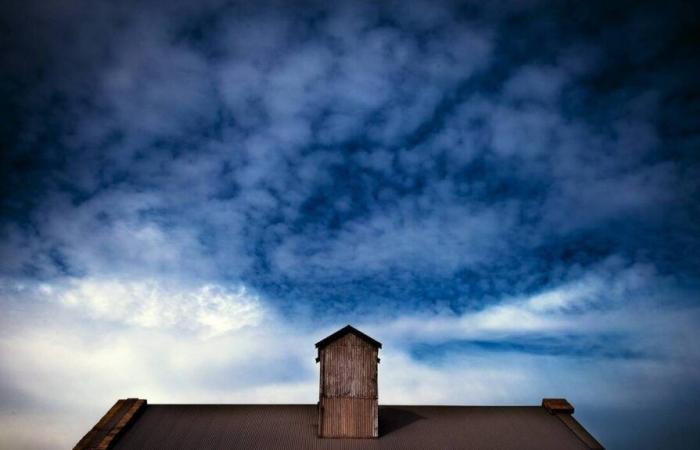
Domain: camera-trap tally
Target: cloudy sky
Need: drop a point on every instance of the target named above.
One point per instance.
(504, 193)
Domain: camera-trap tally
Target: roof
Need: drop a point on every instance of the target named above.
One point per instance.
(400, 427)
(113, 425)
(345, 330)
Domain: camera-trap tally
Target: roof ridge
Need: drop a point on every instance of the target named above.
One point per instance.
(345, 330)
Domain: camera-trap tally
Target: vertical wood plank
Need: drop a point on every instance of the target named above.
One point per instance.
(348, 389)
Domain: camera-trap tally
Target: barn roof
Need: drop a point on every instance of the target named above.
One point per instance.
(401, 427)
(342, 332)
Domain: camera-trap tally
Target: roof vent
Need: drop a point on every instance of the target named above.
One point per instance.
(348, 406)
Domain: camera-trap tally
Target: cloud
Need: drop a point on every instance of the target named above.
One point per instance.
(537, 84)
(256, 144)
(148, 362)
(589, 303)
(402, 239)
(208, 309)
(266, 358)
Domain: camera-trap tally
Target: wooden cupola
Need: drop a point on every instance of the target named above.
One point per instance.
(348, 405)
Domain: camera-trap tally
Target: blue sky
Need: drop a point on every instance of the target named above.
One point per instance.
(504, 194)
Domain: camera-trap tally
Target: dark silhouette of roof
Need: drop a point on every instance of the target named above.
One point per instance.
(400, 427)
(342, 332)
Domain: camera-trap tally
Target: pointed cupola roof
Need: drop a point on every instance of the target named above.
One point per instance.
(342, 332)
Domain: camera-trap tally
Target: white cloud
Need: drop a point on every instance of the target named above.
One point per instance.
(403, 238)
(599, 301)
(536, 83)
(100, 340)
(207, 309)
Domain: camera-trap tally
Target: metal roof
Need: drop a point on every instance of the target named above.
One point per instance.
(400, 427)
(342, 332)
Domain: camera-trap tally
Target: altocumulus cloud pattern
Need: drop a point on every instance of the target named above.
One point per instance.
(504, 193)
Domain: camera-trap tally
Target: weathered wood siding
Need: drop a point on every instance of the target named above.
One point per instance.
(348, 389)
(349, 417)
(349, 368)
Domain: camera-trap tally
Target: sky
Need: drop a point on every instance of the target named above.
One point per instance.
(505, 194)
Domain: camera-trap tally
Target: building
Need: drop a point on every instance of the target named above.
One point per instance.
(348, 401)
(347, 416)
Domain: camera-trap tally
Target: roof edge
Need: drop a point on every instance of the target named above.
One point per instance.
(563, 410)
(345, 330)
(584, 436)
(112, 425)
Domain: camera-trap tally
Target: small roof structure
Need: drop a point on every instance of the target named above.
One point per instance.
(342, 332)
(134, 424)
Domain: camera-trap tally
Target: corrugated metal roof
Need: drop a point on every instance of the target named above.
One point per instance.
(400, 427)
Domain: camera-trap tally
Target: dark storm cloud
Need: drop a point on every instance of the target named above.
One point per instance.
(518, 169)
